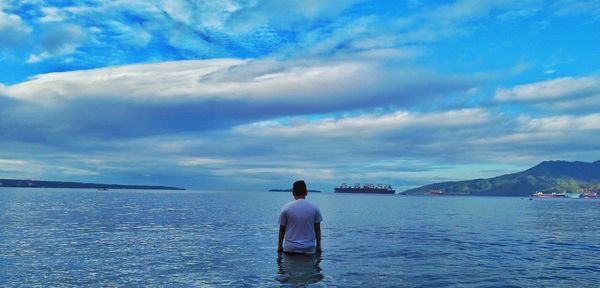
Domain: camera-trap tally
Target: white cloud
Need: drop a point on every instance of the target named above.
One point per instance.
(36, 169)
(314, 85)
(71, 171)
(563, 137)
(131, 34)
(142, 81)
(183, 115)
(551, 90)
(579, 7)
(563, 124)
(178, 10)
(450, 20)
(19, 168)
(201, 29)
(283, 13)
(333, 146)
(328, 150)
(200, 161)
(13, 31)
(365, 126)
(5, 163)
(270, 173)
(52, 14)
(58, 40)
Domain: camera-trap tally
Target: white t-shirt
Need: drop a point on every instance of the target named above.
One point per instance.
(299, 218)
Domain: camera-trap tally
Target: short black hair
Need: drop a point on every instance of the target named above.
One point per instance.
(300, 188)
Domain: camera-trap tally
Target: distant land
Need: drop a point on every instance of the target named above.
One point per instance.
(548, 177)
(290, 190)
(57, 184)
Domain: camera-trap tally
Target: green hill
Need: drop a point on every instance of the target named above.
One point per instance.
(557, 176)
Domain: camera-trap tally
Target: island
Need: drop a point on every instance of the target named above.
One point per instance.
(20, 183)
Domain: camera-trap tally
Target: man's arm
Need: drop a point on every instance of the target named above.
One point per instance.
(318, 236)
(281, 237)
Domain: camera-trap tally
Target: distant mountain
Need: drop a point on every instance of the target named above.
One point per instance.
(57, 184)
(549, 176)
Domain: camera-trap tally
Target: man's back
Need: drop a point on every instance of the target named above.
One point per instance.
(299, 218)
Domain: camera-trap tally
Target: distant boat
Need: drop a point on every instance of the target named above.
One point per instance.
(436, 192)
(592, 195)
(367, 188)
(587, 192)
(541, 194)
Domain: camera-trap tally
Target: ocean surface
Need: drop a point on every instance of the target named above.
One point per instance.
(88, 238)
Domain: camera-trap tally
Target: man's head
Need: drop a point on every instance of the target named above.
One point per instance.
(299, 189)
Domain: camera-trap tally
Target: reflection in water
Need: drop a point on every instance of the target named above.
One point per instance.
(299, 270)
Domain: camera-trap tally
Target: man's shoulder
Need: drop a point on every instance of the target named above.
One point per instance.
(299, 204)
(288, 205)
(313, 204)
(308, 205)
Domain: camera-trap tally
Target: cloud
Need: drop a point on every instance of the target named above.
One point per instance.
(570, 7)
(358, 147)
(368, 125)
(443, 22)
(32, 169)
(52, 14)
(200, 161)
(408, 35)
(368, 139)
(13, 31)
(579, 94)
(134, 31)
(58, 40)
(284, 14)
(211, 94)
(18, 168)
(569, 136)
(549, 90)
(209, 29)
(325, 150)
(400, 147)
(132, 34)
(566, 123)
(184, 29)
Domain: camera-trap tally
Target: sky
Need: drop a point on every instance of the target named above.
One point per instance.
(251, 95)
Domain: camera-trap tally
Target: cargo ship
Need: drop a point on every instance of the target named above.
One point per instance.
(367, 188)
(540, 194)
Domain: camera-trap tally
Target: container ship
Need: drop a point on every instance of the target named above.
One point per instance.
(367, 188)
(540, 194)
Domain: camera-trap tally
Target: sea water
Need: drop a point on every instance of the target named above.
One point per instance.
(118, 238)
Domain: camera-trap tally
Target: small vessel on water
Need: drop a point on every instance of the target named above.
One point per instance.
(589, 193)
(540, 194)
(436, 192)
(367, 188)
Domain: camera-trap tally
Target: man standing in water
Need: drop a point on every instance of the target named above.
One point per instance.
(300, 224)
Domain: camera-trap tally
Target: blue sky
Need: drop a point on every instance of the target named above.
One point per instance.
(252, 95)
